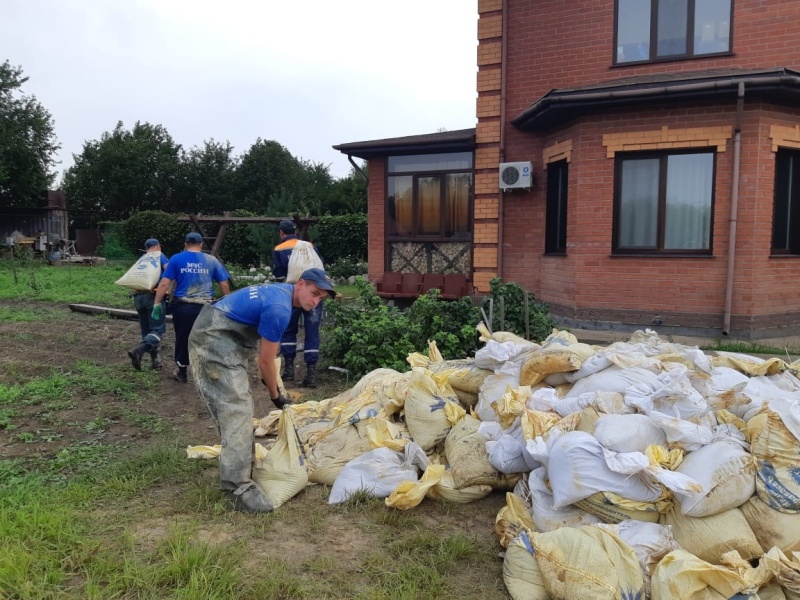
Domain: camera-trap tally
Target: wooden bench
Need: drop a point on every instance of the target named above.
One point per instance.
(395, 285)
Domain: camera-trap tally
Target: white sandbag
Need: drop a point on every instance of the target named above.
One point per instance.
(587, 562)
(494, 354)
(578, 466)
(521, 574)
(722, 388)
(303, 257)
(628, 433)
(616, 379)
(673, 395)
(144, 274)
(727, 474)
(772, 527)
(711, 537)
(594, 364)
(777, 454)
(539, 499)
(425, 405)
(684, 434)
(282, 474)
(378, 472)
(506, 454)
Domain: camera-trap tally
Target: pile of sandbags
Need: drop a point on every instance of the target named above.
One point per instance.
(641, 469)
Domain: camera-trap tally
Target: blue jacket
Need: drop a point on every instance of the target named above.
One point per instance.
(281, 254)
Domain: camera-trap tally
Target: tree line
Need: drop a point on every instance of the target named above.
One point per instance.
(141, 168)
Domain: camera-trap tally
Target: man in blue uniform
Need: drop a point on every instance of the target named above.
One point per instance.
(226, 335)
(311, 318)
(194, 274)
(152, 328)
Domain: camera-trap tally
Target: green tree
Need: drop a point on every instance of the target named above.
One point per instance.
(208, 179)
(27, 141)
(263, 170)
(125, 172)
(349, 194)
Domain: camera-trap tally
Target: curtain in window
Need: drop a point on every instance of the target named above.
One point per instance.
(457, 203)
(401, 205)
(430, 205)
(688, 215)
(638, 215)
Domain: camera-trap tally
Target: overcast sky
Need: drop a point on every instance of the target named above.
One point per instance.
(306, 73)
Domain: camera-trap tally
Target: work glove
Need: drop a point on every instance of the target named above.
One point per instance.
(281, 401)
(158, 312)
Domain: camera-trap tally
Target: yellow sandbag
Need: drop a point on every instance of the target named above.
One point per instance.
(709, 538)
(468, 459)
(409, 494)
(772, 527)
(612, 508)
(683, 575)
(777, 454)
(511, 404)
(214, 451)
(559, 354)
(446, 490)
(425, 405)
(282, 473)
(385, 434)
(588, 562)
(513, 518)
(328, 456)
(771, 366)
(521, 574)
(500, 336)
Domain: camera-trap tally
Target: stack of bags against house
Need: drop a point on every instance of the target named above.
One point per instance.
(644, 469)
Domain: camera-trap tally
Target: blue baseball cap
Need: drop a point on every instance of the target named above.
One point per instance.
(320, 279)
(194, 238)
(287, 226)
(150, 243)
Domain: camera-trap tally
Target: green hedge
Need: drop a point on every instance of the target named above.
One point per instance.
(341, 236)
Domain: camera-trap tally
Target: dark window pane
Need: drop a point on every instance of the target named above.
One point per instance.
(690, 181)
(638, 214)
(456, 218)
(400, 205)
(421, 163)
(633, 30)
(556, 218)
(671, 30)
(429, 190)
(712, 26)
(786, 217)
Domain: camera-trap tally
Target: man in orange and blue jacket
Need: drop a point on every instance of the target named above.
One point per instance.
(311, 318)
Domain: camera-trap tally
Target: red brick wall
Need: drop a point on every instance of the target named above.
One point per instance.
(561, 44)
(376, 215)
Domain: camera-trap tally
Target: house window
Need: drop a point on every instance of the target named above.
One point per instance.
(555, 240)
(429, 197)
(786, 214)
(649, 30)
(663, 202)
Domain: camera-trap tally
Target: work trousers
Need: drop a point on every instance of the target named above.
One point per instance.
(184, 315)
(152, 329)
(312, 319)
(220, 350)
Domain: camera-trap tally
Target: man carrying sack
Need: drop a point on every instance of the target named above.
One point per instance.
(152, 325)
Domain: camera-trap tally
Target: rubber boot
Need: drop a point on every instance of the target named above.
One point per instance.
(288, 371)
(155, 360)
(310, 380)
(180, 375)
(136, 356)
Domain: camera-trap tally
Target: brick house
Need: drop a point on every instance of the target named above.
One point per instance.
(664, 140)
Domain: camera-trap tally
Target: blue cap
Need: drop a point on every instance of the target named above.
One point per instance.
(320, 279)
(287, 226)
(194, 238)
(150, 243)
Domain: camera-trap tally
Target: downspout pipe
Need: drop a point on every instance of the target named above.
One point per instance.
(502, 143)
(358, 169)
(737, 153)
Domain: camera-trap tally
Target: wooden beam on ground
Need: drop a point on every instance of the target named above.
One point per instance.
(114, 313)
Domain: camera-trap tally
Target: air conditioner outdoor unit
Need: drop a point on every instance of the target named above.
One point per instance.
(515, 175)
